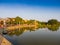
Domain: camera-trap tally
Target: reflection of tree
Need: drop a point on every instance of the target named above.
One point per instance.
(20, 31)
(54, 25)
(53, 28)
(16, 32)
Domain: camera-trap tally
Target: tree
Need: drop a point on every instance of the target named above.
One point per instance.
(31, 22)
(10, 22)
(52, 21)
(18, 19)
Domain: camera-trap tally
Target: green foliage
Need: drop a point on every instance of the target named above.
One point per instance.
(52, 21)
(30, 22)
(18, 20)
(52, 24)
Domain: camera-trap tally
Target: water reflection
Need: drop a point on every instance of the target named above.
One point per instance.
(34, 36)
(19, 31)
(53, 28)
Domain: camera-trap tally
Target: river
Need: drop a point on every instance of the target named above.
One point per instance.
(41, 36)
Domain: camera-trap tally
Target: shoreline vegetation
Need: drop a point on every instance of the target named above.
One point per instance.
(18, 22)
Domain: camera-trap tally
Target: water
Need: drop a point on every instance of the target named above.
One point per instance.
(41, 36)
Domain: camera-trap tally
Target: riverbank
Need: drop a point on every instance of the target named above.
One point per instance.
(4, 41)
(21, 26)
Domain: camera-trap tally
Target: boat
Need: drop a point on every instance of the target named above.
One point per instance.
(4, 32)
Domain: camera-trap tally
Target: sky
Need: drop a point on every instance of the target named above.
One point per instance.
(42, 10)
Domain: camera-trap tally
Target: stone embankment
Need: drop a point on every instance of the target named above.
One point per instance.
(4, 41)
